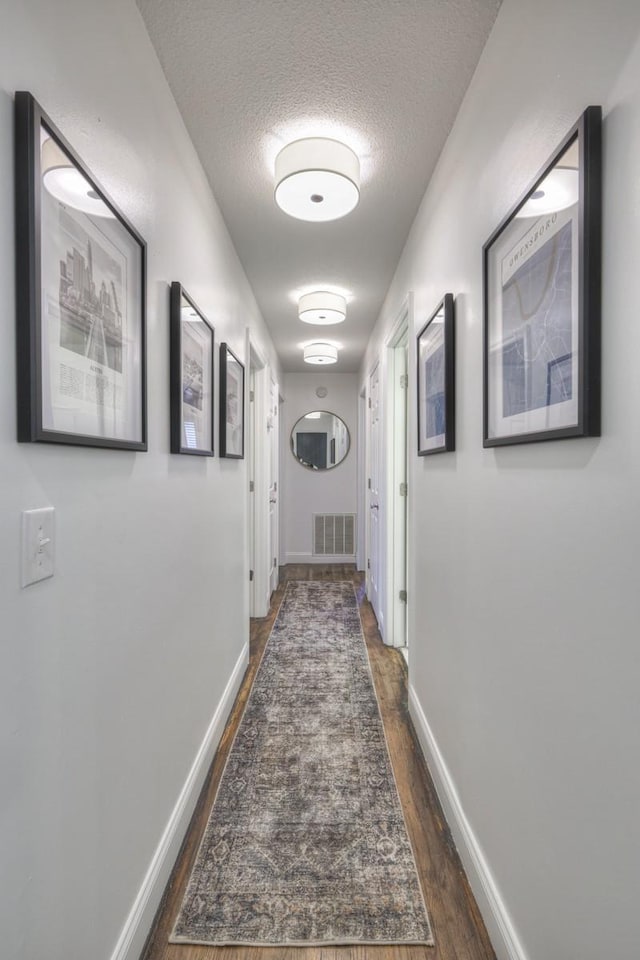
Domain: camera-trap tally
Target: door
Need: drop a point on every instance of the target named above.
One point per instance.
(251, 450)
(400, 368)
(274, 453)
(373, 579)
(259, 448)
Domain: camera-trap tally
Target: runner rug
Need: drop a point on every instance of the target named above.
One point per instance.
(306, 843)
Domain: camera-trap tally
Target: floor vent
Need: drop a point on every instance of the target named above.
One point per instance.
(334, 534)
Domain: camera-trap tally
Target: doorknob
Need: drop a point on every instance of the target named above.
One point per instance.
(374, 506)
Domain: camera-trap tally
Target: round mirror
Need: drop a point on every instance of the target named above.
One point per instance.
(320, 440)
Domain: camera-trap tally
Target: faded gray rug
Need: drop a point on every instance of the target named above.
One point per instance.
(306, 843)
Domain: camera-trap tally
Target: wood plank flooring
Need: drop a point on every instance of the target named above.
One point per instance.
(457, 926)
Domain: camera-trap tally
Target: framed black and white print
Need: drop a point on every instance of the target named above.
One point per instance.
(231, 404)
(542, 271)
(192, 339)
(80, 283)
(436, 381)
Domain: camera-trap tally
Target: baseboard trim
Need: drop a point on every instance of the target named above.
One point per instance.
(490, 903)
(312, 558)
(138, 924)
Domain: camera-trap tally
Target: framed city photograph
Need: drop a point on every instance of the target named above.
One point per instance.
(81, 358)
(231, 404)
(191, 376)
(542, 270)
(436, 381)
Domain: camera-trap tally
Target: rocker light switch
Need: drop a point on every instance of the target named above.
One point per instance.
(37, 545)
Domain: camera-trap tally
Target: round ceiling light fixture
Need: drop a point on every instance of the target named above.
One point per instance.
(558, 190)
(317, 179)
(321, 353)
(65, 182)
(322, 308)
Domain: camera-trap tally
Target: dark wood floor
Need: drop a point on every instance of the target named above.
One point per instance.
(457, 926)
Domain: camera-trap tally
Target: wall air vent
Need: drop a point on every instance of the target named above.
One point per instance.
(334, 534)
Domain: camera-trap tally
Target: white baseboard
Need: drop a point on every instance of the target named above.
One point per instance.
(503, 936)
(312, 558)
(138, 923)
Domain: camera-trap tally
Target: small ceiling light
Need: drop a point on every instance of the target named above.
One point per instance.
(322, 308)
(65, 182)
(317, 179)
(320, 353)
(315, 415)
(558, 190)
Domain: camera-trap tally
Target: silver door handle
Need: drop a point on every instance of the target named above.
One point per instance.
(374, 506)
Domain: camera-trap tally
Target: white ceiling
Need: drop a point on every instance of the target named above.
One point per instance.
(384, 76)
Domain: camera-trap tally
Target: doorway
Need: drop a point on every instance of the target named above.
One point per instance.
(397, 481)
(273, 422)
(263, 484)
(374, 564)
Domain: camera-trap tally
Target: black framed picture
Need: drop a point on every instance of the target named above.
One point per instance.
(231, 404)
(542, 270)
(191, 378)
(436, 381)
(80, 280)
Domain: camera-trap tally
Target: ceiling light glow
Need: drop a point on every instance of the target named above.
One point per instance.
(558, 190)
(65, 182)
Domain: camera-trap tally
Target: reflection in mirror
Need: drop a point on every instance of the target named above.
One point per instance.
(320, 440)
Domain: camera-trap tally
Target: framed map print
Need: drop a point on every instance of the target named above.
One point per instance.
(231, 404)
(542, 301)
(80, 283)
(191, 378)
(436, 381)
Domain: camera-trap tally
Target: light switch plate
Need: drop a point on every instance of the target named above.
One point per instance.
(37, 545)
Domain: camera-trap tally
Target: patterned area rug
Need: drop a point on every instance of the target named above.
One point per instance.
(306, 843)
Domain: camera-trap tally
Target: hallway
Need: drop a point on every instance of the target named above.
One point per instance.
(473, 411)
(458, 929)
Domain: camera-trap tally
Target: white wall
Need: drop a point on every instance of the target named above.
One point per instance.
(111, 672)
(524, 600)
(303, 491)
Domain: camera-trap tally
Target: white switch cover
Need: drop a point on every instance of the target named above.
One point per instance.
(37, 545)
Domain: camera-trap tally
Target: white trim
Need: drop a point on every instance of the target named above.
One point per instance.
(255, 499)
(361, 512)
(138, 924)
(262, 534)
(501, 930)
(396, 448)
(314, 558)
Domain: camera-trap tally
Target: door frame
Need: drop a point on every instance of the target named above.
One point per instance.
(273, 492)
(378, 363)
(361, 507)
(396, 468)
(258, 500)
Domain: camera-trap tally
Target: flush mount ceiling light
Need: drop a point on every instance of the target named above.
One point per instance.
(65, 182)
(320, 353)
(558, 190)
(322, 308)
(317, 179)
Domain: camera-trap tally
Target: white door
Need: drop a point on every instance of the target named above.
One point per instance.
(399, 559)
(373, 579)
(274, 452)
(258, 496)
(251, 451)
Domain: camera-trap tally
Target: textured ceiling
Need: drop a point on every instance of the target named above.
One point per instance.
(385, 76)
